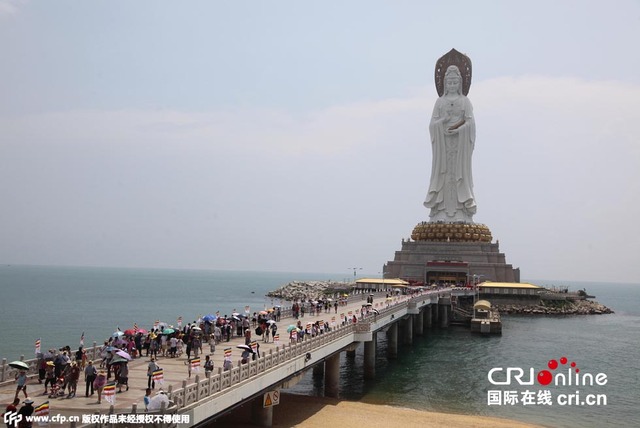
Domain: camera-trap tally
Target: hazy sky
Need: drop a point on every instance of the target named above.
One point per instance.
(293, 136)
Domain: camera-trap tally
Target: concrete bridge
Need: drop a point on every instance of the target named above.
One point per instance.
(200, 399)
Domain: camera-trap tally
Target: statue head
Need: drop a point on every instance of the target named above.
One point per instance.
(453, 80)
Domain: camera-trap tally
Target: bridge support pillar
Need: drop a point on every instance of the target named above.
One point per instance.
(418, 323)
(370, 358)
(428, 317)
(407, 336)
(332, 376)
(444, 315)
(261, 416)
(318, 370)
(392, 341)
(436, 314)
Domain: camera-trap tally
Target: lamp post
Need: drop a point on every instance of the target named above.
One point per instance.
(355, 286)
(354, 272)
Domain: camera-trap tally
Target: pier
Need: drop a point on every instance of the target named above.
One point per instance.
(201, 398)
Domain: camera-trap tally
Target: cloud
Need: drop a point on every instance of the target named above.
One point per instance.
(10, 7)
(555, 172)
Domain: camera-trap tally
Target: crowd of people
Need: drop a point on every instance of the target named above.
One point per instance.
(60, 370)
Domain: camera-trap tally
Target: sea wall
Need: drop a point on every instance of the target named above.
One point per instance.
(304, 290)
(580, 307)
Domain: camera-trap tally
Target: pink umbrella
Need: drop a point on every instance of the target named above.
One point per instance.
(124, 354)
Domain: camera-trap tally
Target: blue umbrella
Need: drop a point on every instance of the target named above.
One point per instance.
(210, 318)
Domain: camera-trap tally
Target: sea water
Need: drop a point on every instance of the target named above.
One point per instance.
(445, 370)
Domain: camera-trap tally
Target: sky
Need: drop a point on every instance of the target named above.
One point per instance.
(293, 136)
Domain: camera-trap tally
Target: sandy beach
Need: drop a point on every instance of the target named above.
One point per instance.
(322, 412)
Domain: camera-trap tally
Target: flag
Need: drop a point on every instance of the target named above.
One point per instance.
(38, 343)
(41, 411)
(109, 392)
(158, 376)
(195, 364)
(82, 339)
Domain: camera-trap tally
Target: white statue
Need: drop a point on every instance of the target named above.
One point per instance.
(453, 133)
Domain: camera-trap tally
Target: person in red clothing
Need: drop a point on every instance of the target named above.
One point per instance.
(12, 408)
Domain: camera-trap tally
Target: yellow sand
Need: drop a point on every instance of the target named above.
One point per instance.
(320, 412)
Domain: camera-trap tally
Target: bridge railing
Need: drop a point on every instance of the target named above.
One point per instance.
(225, 381)
(222, 381)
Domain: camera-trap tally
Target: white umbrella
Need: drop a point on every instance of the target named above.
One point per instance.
(156, 401)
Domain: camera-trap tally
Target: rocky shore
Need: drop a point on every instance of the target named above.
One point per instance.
(579, 307)
(298, 290)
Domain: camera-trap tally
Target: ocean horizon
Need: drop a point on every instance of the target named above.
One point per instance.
(446, 370)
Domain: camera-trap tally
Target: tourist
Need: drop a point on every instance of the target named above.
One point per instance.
(41, 364)
(21, 380)
(50, 376)
(24, 414)
(217, 334)
(267, 331)
(73, 374)
(99, 383)
(153, 346)
(188, 364)
(90, 374)
(208, 365)
(123, 376)
(151, 367)
(147, 398)
(173, 346)
(12, 408)
(163, 344)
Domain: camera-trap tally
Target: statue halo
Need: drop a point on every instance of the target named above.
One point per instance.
(460, 60)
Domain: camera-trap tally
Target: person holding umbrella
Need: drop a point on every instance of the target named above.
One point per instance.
(21, 380)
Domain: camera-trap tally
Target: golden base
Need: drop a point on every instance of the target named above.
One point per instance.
(451, 232)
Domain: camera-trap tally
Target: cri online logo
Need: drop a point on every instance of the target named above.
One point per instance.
(546, 377)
